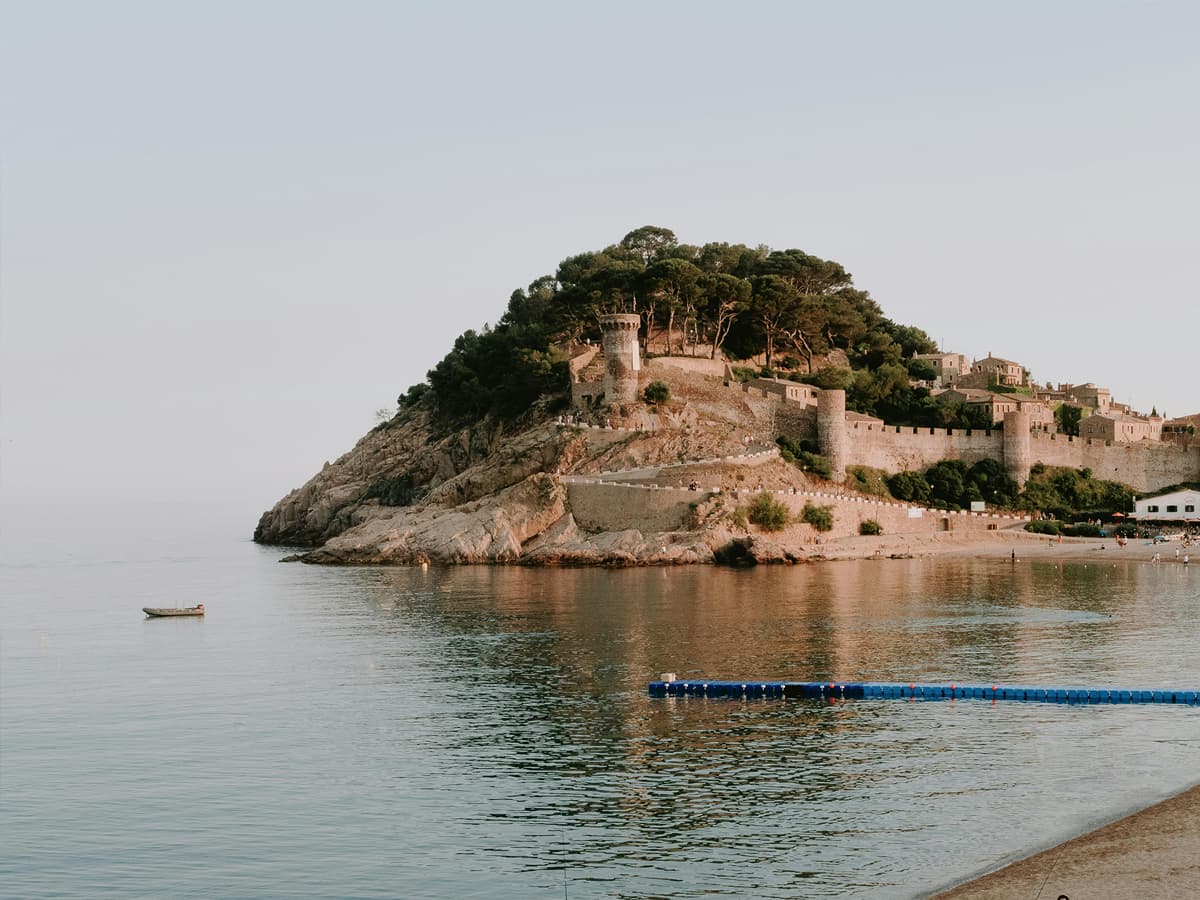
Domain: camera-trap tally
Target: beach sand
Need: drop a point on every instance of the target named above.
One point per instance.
(1154, 853)
(1008, 543)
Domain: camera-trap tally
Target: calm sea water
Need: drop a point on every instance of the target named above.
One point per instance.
(486, 732)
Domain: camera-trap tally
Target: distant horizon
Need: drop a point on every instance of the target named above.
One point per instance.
(229, 235)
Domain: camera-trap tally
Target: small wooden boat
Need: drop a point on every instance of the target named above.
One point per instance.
(156, 612)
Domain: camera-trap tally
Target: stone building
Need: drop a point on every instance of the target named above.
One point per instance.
(787, 390)
(1181, 430)
(950, 367)
(1041, 417)
(994, 370)
(1120, 428)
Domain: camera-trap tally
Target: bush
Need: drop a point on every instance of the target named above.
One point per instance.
(1044, 526)
(819, 517)
(738, 519)
(909, 486)
(868, 480)
(743, 373)
(768, 513)
(799, 454)
(656, 392)
(1082, 531)
(870, 527)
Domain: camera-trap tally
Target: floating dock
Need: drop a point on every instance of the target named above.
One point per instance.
(865, 690)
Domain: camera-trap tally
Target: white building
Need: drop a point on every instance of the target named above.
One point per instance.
(1178, 506)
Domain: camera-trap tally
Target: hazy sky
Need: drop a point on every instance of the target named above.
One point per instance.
(229, 232)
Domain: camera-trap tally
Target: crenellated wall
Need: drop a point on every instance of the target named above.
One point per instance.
(1144, 466)
(622, 358)
(901, 448)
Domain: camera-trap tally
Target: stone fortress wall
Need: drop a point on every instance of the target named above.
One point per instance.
(599, 504)
(1146, 466)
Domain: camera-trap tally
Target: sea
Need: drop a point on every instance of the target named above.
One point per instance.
(486, 731)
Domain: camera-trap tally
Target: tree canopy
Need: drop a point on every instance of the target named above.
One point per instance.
(745, 301)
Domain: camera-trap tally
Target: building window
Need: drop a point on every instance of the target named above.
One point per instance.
(1172, 509)
(1191, 507)
(1151, 509)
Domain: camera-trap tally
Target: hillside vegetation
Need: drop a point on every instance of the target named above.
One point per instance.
(787, 306)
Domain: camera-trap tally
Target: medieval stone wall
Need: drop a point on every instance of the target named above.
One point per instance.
(615, 506)
(1145, 466)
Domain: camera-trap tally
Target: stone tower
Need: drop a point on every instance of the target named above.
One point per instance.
(1017, 450)
(831, 431)
(622, 359)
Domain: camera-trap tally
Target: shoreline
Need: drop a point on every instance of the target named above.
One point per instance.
(1152, 852)
(996, 545)
(634, 549)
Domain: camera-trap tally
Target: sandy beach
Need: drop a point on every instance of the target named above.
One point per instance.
(1153, 853)
(1011, 543)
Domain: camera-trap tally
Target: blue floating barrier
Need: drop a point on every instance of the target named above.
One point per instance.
(841, 690)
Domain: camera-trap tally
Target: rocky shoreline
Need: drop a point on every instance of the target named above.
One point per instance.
(658, 485)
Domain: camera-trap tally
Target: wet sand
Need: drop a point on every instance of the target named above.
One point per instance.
(1154, 853)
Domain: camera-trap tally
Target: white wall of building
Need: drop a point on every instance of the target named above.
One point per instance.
(1172, 507)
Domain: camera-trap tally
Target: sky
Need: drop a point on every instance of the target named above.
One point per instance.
(232, 231)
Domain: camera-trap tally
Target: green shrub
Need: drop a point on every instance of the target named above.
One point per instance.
(743, 373)
(1082, 531)
(868, 480)
(768, 513)
(819, 517)
(1044, 526)
(870, 526)
(656, 392)
(800, 454)
(738, 518)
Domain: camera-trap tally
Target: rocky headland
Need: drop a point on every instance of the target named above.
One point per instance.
(638, 484)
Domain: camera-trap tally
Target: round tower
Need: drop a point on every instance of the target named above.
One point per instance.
(622, 359)
(1018, 454)
(831, 431)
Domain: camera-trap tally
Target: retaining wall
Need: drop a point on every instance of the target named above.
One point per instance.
(605, 503)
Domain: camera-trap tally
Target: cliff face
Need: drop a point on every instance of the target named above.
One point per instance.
(492, 494)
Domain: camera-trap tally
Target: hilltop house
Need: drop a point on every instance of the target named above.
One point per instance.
(1087, 396)
(787, 390)
(1177, 506)
(1041, 417)
(1181, 430)
(993, 370)
(1121, 428)
(950, 367)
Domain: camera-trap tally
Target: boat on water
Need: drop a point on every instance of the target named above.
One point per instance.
(158, 612)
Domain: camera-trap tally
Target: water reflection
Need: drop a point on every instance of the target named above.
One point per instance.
(536, 685)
